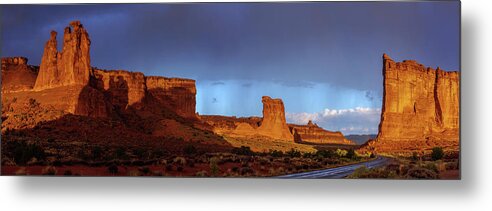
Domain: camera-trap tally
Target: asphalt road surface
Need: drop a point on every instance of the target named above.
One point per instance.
(336, 173)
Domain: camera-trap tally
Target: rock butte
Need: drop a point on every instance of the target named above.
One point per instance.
(312, 133)
(420, 108)
(17, 75)
(66, 81)
(272, 125)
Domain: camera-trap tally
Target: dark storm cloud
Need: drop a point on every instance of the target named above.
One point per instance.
(247, 84)
(300, 83)
(218, 83)
(337, 43)
(369, 96)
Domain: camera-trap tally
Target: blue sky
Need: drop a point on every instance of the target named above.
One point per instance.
(322, 59)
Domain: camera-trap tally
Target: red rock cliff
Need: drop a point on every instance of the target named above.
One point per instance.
(177, 94)
(274, 124)
(17, 75)
(71, 66)
(420, 108)
(312, 133)
(67, 82)
(122, 88)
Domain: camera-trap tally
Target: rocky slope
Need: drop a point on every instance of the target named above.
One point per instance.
(420, 108)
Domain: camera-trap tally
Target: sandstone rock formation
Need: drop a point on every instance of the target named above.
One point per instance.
(177, 94)
(231, 125)
(420, 108)
(17, 75)
(274, 124)
(66, 81)
(312, 133)
(71, 66)
(122, 88)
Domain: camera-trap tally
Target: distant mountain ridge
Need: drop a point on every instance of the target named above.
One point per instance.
(360, 139)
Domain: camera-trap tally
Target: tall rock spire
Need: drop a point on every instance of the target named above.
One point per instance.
(71, 66)
(274, 124)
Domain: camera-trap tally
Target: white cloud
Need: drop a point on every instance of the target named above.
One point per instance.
(359, 120)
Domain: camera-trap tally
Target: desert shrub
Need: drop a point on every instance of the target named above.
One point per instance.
(372, 155)
(120, 153)
(276, 153)
(235, 169)
(358, 172)
(341, 152)
(49, 170)
(415, 156)
(431, 166)
(21, 171)
(189, 150)
(191, 163)
(421, 173)
(157, 173)
(137, 163)
(181, 161)
(33, 103)
(24, 152)
(67, 173)
(158, 153)
(437, 153)
(140, 153)
(83, 155)
(96, 153)
(243, 150)
(351, 154)
(144, 169)
(133, 173)
(325, 153)
(246, 170)
(57, 163)
(364, 172)
(180, 168)
(113, 169)
(169, 167)
(263, 162)
(452, 166)
(214, 167)
(307, 155)
(293, 153)
(201, 174)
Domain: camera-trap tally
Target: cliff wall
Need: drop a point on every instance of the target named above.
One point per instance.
(420, 107)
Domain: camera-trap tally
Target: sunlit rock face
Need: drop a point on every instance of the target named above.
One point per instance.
(274, 124)
(17, 75)
(420, 108)
(67, 82)
(71, 66)
(122, 88)
(177, 94)
(312, 133)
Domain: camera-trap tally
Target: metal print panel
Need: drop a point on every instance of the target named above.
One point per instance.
(284, 90)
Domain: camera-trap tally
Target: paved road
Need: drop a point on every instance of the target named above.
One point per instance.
(336, 173)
